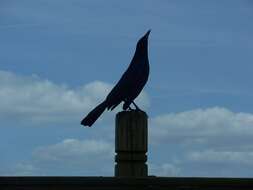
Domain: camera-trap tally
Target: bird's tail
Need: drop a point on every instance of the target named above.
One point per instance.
(94, 114)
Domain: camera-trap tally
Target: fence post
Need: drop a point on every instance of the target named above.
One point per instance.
(131, 144)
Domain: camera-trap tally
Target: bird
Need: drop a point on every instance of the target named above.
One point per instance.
(129, 86)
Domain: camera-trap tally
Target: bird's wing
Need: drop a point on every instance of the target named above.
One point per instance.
(120, 90)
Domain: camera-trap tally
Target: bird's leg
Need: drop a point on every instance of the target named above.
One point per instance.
(130, 109)
(136, 107)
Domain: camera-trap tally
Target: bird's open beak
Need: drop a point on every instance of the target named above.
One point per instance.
(147, 34)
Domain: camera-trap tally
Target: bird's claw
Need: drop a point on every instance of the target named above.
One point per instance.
(130, 109)
(136, 107)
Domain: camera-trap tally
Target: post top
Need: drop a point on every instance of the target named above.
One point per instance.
(132, 112)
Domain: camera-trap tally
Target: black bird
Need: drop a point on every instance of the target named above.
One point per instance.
(129, 86)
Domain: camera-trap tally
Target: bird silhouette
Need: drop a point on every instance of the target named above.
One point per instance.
(129, 86)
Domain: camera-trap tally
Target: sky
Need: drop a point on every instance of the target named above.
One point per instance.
(59, 59)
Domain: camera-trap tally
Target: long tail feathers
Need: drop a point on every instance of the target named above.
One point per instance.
(94, 114)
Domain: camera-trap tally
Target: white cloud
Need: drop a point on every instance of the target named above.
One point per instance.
(34, 99)
(22, 169)
(74, 149)
(212, 156)
(68, 157)
(30, 100)
(191, 143)
(204, 142)
(208, 137)
(165, 169)
(200, 126)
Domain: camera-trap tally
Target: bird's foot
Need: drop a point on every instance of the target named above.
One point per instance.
(130, 109)
(136, 107)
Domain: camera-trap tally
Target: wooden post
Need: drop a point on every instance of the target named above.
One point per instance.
(131, 144)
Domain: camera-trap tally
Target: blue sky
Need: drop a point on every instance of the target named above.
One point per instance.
(59, 59)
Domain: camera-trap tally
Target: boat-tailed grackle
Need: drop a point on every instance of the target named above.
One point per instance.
(129, 86)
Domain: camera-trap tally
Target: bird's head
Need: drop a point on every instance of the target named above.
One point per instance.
(143, 42)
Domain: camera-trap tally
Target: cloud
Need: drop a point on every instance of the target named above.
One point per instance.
(33, 101)
(215, 124)
(75, 157)
(200, 142)
(165, 169)
(68, 157)
(22, 169)
(73, 148)
(204, 142)
(202, 138)
(30, 98)
(213, 156)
